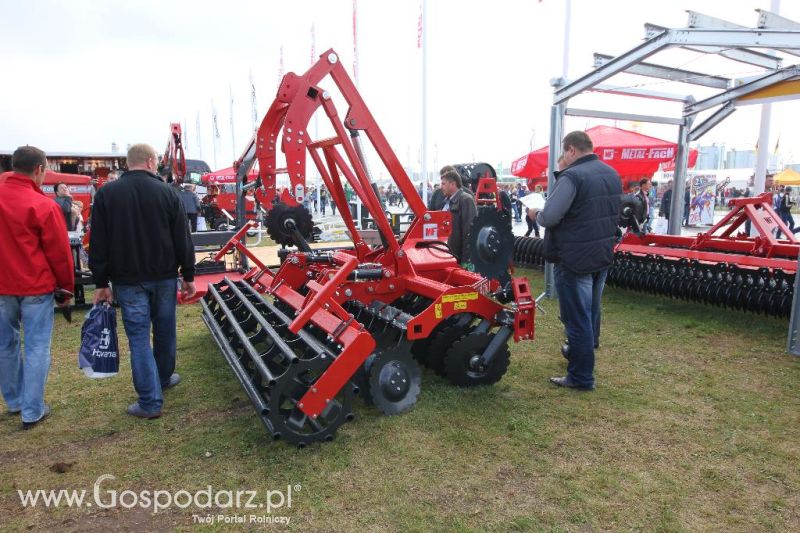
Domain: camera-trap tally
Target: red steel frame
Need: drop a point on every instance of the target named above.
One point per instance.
(726, 241)
(174, 158)
(410, 265)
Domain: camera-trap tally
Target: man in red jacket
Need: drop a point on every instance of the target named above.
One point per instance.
(37, 260)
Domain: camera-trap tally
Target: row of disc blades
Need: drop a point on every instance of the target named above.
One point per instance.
(761, 291)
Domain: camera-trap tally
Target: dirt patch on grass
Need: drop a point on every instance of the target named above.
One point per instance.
(61, 452)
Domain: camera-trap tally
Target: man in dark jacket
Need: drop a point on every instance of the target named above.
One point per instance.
(666, 203)
(644, 196)
(140, 237)
(785, 210)
(64, 201)
(581, 217)
(37, 260)
(463, 209)
(191, 204)
(686, 205)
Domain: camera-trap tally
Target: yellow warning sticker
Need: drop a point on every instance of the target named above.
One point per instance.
(462, 297)
(458, 306)
(437, 310)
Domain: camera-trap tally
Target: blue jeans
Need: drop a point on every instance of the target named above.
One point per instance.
(143, 304)
(579, 298)
(22, 380)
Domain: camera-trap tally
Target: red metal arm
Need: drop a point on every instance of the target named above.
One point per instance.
(285, 128)
(174, 158)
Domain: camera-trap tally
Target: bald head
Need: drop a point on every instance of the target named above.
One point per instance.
(142, 157)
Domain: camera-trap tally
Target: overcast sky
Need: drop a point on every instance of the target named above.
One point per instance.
(79, 75)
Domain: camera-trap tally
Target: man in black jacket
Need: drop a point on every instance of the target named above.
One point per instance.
(581, 215)
(139, 240)
(64, 200)
(644, 196)
(666, 203)
(463, 209)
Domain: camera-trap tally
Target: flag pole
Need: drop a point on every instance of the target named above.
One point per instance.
(197, 134)
(355, 79)
(214, 133)
(317, 177)
(233, 135)
(280, 68)
(762, 155)
(567, 24)
(423, 28)
(253, 103)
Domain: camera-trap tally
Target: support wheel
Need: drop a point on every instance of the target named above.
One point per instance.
(394, 381)
(461, 363)
(280, 220)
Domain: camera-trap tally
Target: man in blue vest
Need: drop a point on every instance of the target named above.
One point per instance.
(581, 217)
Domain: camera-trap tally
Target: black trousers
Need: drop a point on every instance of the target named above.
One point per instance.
(532, 226)
(192, 221)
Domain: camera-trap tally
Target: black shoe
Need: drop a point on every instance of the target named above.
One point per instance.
(567, 383)
(174, 379)
(29, 425)
(13, 413)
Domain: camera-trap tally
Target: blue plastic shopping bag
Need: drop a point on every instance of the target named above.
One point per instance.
(99, 353)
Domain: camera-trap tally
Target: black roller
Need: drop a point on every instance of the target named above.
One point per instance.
(727, 285)
(528, 252)
(274, 366)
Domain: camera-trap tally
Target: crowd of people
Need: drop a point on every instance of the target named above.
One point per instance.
(140, 242)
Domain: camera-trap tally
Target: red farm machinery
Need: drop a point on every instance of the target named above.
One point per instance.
(173, 162)
(724, 266)
(305, 337)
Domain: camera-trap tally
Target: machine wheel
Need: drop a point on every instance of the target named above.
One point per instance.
(442, 342)
(289, 422)
(394, 380)
(460, 363)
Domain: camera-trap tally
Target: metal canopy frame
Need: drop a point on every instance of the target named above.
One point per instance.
(705, 35)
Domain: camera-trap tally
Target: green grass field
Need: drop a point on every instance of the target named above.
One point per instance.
(695, 425)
